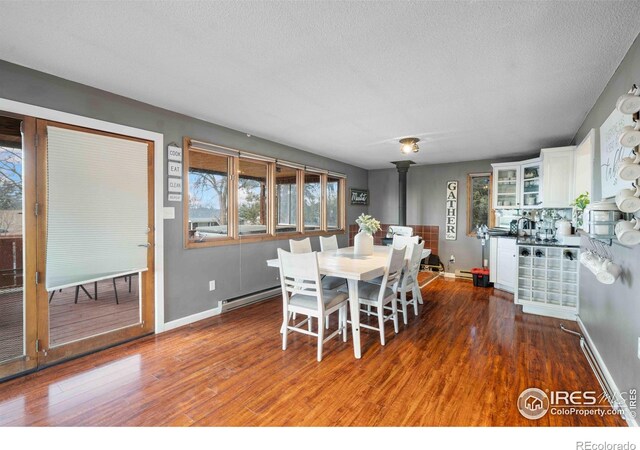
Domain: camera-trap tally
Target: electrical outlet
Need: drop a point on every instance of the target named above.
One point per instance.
(212, 285)
(452, 259)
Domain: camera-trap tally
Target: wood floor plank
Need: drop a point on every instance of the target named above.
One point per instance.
(462, 361)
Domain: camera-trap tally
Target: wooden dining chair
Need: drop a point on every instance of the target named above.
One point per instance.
(379, 295)
(302, 293)
(409, 281)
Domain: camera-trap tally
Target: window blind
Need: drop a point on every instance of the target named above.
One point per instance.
(97, 207)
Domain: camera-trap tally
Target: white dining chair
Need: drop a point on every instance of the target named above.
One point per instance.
(409, 281)
(328, 243)
(405, 241)
(302, 293)
(301, 246)
(380, 295)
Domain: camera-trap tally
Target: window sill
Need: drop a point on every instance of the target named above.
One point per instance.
(260, 238)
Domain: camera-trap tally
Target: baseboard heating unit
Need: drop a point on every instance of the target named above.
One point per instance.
(239, 302)
(609, 388)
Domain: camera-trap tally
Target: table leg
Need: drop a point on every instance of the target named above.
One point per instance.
(355, 316)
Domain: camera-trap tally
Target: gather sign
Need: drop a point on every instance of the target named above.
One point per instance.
(452, 211)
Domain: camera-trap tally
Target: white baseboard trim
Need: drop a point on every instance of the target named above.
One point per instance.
(192, 318)
(502, 287)
(449, 275)
(548, 311)
(632, 422)
(223, 306)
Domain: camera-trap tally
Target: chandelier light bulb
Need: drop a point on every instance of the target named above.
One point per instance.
(408, 145)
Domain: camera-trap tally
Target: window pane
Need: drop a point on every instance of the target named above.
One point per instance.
(12, 299)
(480, 200)
(312, 197)
(286, 199)
(252, 197)
(333, 203)
(208, 196)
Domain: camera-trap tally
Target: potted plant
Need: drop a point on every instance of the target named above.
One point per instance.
(363, 241)
(579, 204)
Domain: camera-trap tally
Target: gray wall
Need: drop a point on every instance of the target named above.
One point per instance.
(426, 191)
(611, 314)
(237, 269)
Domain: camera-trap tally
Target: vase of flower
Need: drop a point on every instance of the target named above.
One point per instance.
(363, 241)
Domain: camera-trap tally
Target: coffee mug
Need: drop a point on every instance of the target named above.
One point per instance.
(589, 260)
(629, 103)
(628, 232)
(629, 168)
(609, 272)
(628, 201)
(630, 136)
(592, 261)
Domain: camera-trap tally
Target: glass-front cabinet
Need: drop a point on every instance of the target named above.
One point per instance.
(506, 184)
(517, 185)
(531, 184)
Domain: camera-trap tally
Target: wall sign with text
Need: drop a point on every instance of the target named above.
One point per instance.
(174, 172)
(359, 196)
(611, 153)
(451, 224)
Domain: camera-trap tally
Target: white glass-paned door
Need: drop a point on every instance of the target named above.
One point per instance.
(97, 207)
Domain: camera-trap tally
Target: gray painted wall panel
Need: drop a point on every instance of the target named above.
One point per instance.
(426, 191)
(611, 314)
(238, 270)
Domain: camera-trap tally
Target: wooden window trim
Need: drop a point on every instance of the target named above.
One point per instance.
(233, 237)
(491, 212)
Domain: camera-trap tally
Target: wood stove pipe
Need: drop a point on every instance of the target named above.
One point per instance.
(403, 168)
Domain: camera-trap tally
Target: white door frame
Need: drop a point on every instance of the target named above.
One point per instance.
(158, 182)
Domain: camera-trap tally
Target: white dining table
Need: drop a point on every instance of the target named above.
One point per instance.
(343, 263)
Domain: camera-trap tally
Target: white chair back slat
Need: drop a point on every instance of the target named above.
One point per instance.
(300, 274)
(413, 266)
(301, 246)
(393, 270)
(328, 243)
(405, 241)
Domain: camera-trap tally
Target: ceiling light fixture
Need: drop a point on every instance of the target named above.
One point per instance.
(409, 145)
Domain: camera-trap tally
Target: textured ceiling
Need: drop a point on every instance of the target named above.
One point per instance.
(473, 80)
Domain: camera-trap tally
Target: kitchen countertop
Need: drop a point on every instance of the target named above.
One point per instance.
(529, 240)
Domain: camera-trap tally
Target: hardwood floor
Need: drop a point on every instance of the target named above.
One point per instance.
(463, 361)
(71, 321)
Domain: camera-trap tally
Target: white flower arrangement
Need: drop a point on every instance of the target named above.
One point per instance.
(368, 224)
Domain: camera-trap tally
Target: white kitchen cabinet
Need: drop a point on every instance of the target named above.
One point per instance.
(517, 185)
(548, 280)
(531, 183)
(558, 176)
(505, 264)
(583, 165)
(506, 186)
